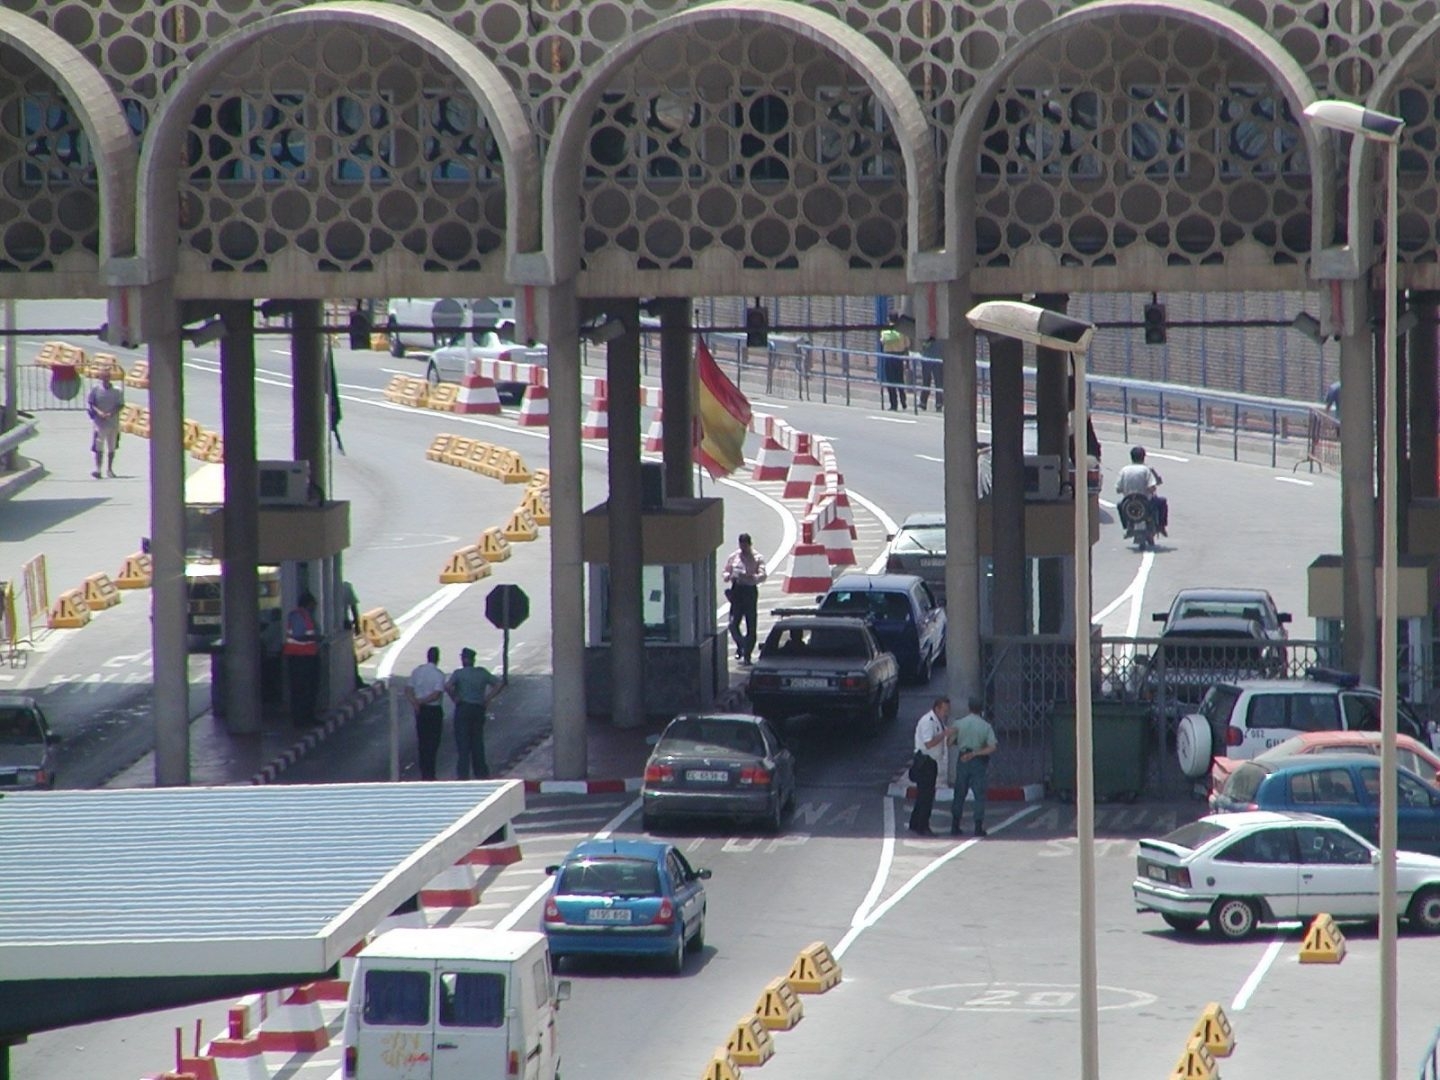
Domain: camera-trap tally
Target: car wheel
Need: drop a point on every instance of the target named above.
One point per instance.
(1185, 924)
(432, 374)
(775, 817)
(1234, 918)
(1424, 911)
(397, 347)
(790, 800)
(924, 670)
(675, 962)
(891, 708)
(697, 943)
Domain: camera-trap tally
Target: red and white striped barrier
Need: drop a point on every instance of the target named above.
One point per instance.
(803, 470)
(296, 1025)
(535, 406)
(835, 535)
(774, 461)
(502, 369)
(455, 887)
(477, 395)
(596, 424)
(655, 436)
(843, 511)
(809, 565)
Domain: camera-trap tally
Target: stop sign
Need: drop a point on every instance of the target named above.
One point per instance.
(507, 607)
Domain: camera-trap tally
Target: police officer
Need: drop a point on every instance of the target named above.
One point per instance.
(302, 660)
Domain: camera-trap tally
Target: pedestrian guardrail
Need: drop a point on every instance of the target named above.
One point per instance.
(26, 429)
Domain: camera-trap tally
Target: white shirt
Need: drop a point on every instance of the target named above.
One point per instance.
(1136, 480)
(426, 681)
(743, 571)
(928, 727)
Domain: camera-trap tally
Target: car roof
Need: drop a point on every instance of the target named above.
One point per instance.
(1221, 593)
(924, 519)
(634, 849)
(795, 622)
(1292, 686)
(20, 701)
(1348, 737)
(736, 718)
(875, 582)
(1312, 762)
(1244, 819)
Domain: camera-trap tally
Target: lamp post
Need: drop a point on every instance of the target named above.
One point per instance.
(1379, 127)
(1051, 330)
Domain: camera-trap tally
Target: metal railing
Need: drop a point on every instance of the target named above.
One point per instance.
(1430, 1063)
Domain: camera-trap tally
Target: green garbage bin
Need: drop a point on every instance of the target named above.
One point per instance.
(1120, 736)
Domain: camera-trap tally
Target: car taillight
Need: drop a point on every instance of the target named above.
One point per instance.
(1234, 736)
(552, 913)
(666, 915)
(351, 1061)
(764, 682)
(659, 774)
(753, 774)
(514, 1069)
(1180, 875)
(894, 565)
(852, 682)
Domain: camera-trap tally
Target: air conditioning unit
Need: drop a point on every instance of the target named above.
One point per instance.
(283, 483)
(1042, 477)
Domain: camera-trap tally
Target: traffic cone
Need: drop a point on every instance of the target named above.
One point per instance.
(773, 462)
(655, 435)
(477, 395)
(835, 536)
(597, 419)
(842, 506)
(803, 470)
(809, 570)
(535, 407)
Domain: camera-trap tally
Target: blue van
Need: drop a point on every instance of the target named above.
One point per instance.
(904, 617)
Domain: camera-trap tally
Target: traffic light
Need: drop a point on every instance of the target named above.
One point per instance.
(757, 326)
(1154, 324)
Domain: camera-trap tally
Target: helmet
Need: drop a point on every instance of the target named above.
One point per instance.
(1137, 455)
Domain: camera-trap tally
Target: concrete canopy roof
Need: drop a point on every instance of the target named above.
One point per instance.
(168, 895)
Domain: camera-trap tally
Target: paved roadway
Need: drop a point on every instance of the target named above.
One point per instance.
(956, 956)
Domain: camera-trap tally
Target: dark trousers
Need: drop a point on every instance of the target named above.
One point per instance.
(924, 795)
(892, 374)
(971, 776)
(429, 723)
(932, 373)
(744, 602)
(470, 761)
(304, 675)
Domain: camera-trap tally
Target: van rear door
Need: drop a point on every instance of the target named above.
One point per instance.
(472, 1004)
(392, 1037)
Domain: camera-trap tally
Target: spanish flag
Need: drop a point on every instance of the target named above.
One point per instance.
(724, 417)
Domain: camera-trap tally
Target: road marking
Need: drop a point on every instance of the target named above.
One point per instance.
(1294, 480)
(1253, 982)
(892, 420)
(931, 457)
(1020, 997)
(1167, 457)
(423, 612)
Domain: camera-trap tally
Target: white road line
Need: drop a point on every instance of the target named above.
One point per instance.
(892, 420)
(880, 515)
(1253, 982)
(882, 873)
(438, 602)
(618, 820)
(518, 913)
(1167, 457)
(1106, 504)
(1294, 480)
(930, 457)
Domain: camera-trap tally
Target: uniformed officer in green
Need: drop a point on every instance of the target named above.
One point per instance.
(974, 743)
(472, 689)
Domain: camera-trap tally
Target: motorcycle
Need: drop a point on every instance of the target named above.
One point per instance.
(1137, 514)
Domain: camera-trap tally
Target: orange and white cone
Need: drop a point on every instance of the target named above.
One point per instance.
(655, 434)
(803, 470)
(477, 395)
(839, 547)
(773, 462)
(597, 419)
(535, 407)
(295, 1026)
(842, 506)
(809, 570)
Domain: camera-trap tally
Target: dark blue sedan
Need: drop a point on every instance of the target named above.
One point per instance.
(1345, 787)
(627, 897)
(903, 614)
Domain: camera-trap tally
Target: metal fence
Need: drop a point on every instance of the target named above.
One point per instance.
(37, 390)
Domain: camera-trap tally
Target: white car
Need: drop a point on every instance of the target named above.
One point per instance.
(1242, 603)
(1236, 871)
(452, 362)
(431, 322)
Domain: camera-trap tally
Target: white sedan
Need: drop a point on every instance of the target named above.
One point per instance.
(1237, 871)
(451, 363)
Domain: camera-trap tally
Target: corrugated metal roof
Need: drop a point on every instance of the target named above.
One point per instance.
(225, 880)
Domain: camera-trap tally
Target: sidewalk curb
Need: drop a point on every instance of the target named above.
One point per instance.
(581, 787)
(333, 720)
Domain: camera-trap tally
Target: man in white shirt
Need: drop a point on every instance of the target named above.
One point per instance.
(932, 734)
(426, 691)
(1137, 478)
(744, 571)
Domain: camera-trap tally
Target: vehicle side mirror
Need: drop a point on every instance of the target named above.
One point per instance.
(1284, 616)
(1158, 616)
(819, 598)
(551, 871)
(1375, 857)
(562, 991)
(51, 738)
(703, 875)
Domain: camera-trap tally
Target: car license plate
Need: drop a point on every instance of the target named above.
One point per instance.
(807, 683)
(932, 562)
(1156, 872)
(608, 915)
(707, 776)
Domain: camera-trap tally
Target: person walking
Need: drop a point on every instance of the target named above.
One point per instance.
(932, 373)
(472, 689)
(302, 660)
(743, 573)
(932, 735)
(893, 348)
(104, 405)
(974, 744)
(426, 691)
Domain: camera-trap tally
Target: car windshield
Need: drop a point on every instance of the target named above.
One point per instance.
(882, 606)
(929, 539)
(1194, 835)
(1240, 609)
(815, 643)
(694, 734)
(1219, 703)
(1244, 782)
(19, 726)
(609, 877)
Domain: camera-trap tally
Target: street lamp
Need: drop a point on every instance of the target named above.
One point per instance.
(1379, 127)
(1051, 330)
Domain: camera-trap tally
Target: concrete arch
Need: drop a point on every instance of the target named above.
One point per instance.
(563, 162)
(158, 186)
(111, 140)
(1239, 31)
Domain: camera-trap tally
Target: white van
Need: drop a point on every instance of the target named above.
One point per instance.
(453, 1002)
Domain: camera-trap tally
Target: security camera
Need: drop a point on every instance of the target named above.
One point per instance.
(119, 338)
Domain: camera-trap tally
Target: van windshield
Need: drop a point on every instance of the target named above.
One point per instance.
(609, 877)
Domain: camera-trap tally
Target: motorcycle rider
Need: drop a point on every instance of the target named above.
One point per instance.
(1137, 478)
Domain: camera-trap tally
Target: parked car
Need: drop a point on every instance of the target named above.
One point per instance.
(719, 765)
(1345, 787)
(435, 321)
(903, 614)
(1255, 604)
(1198, 651)
(1241, 719)
(918, 547)
(451, 363)
(628, 897)
(26, 757)
(1413, 754)
(831, 667)
(1237, 871)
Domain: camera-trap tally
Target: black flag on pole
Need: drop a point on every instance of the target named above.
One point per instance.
(335, 413)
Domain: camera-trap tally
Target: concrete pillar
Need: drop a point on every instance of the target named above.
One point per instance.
(567, 567)
(169, 603)
(9, 407)
(1007, 492)
(677, 384)
(1357, 502)
(240, 581)
(962, 558)
(1424, 390)
(307, 395)
(627, 622)
(1053, 399)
